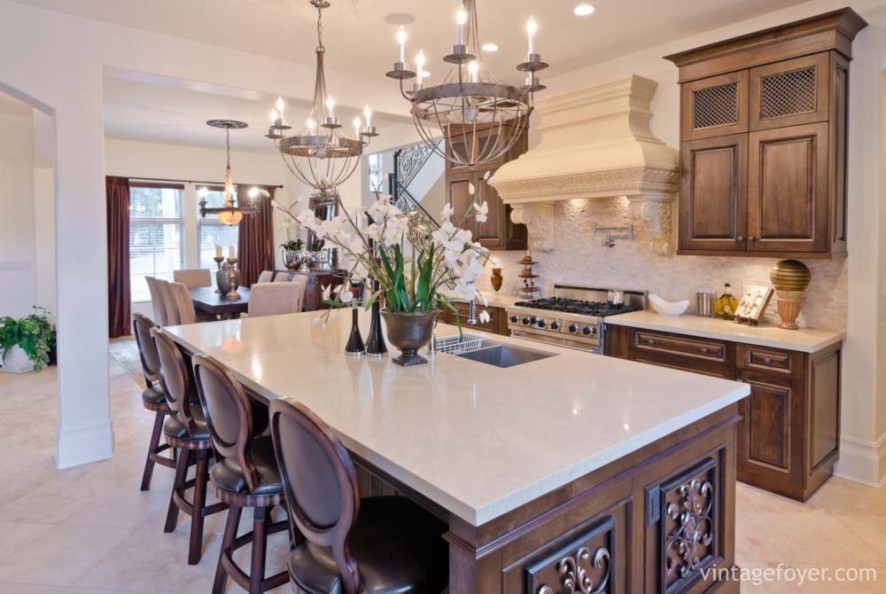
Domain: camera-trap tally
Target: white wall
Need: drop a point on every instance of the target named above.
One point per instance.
(845, 294)
(17, 243)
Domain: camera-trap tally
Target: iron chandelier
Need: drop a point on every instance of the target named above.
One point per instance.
(231, 213)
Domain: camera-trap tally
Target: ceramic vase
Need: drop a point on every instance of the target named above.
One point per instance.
(497, 279)
(790, 279)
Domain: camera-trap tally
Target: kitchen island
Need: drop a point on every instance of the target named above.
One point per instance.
(568, 468)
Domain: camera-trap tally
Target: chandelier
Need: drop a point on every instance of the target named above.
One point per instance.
(479, 118)
(231, 213)
(321, 155)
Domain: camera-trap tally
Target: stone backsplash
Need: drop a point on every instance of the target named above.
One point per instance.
(580, 258)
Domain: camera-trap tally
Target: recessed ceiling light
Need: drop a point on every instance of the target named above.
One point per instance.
(490, 47)
(584, 10)
(399, 18)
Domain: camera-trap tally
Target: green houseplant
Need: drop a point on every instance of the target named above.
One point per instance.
(33, 334)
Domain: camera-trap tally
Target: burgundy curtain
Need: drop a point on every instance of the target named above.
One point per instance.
(256, 251)
(119, 303)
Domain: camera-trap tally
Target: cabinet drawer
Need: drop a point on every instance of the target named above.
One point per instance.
(696, 348)
(752, 357)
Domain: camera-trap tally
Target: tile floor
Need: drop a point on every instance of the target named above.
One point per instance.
(90, 529)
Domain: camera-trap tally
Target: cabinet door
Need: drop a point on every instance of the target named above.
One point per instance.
(461, 201)
(790, 93)
(788, 190)
(713, 197)
(715, 106)
(772, 421)
(490, 234)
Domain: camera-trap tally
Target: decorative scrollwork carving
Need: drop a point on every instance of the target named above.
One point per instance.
(576, 576)
(688, 544)
(410, 161)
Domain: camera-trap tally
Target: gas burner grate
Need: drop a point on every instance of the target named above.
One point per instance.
(577, 306)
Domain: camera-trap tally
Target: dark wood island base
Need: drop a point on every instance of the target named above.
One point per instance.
(653, 521)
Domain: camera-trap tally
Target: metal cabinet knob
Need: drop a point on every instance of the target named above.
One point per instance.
(650, 341)
(752, 238)
(740, 238)
(704, 350)
(767, 360)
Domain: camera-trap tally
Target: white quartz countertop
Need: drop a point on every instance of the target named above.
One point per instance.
(494, 299)
(804, 340)
(478, 440)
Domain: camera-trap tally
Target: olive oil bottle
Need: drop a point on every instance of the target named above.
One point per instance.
(726, 304)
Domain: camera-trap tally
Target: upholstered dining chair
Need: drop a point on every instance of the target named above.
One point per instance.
(184, 305)
(266, 276)
(246, 476)
(153, 398)
(272, 299)
(282, 277)
(193, 278)
(157, 302)
(347, 545)
(187, 432)
(168, 300)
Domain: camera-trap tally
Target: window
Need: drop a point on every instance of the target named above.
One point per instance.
(211, 233)
(156, 230)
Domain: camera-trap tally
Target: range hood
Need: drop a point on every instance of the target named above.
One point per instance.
(595, 143)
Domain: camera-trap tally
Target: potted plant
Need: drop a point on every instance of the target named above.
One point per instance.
(411, 261)
(26, 344)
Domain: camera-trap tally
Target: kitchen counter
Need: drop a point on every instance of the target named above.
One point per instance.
(804, 340)
(528, 465)
(494, 299)
(478, 440)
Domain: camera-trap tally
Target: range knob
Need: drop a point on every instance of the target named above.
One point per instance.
(573, 328)
(588, 330)
(532, 319)
(526, 321)
(515, 319)
(555, 325)
(541, 323)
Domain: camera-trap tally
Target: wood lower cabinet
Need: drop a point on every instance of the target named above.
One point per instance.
(763, 132)
(788, 438)
(497, 324)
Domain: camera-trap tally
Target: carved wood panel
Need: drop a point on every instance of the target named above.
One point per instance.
(689, 538)
(583, 565)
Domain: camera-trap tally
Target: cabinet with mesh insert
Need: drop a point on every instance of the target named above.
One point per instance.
(764, 128)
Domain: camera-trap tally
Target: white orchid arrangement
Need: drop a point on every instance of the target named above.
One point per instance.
(411, 262)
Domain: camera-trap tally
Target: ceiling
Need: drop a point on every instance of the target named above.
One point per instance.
(361, 42)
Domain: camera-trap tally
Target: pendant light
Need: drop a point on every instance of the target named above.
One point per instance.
(231, 213)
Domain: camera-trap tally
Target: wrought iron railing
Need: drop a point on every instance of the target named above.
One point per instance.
(408, 163)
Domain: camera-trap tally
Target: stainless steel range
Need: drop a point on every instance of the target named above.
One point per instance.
(573, 317)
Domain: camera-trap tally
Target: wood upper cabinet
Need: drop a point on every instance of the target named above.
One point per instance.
(763, 126)
(498, 232)
(714, 196)
(788, 190)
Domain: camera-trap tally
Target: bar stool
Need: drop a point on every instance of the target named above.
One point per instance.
(245, 476)
(153, 398)
(380, 545)
(187, 432)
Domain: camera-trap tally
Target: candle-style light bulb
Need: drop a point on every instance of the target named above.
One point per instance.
(420, 66)
(532, 30)
(462, 18)
(474, 69)
(274, 116)
(367, 113)
(401, 39)
(281, 106)
(357, 126)
(330, 108)
(311, 125)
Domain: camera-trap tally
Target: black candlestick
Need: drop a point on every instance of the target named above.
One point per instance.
(375, 344)
(355, 342)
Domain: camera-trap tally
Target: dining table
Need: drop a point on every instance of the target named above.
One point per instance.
(209, 301)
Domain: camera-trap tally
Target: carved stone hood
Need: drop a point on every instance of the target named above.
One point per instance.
(595, 143)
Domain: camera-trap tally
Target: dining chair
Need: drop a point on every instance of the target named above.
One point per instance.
(266, 276)
(184, 305)
(344, 544)
(282, 277)
(166, 296)
(153, 398)
(193, 278)
(245, 477)
(157, 302)
(187, 432)
(272, 299)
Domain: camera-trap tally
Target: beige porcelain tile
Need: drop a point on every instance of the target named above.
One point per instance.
(60, 556)
(32, 589)
(15, 536)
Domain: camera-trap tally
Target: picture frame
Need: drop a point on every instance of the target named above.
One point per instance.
(754, 301)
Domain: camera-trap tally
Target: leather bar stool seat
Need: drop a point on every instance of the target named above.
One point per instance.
(229, 476)
(154, 399)
(178, 431)
(398, 547)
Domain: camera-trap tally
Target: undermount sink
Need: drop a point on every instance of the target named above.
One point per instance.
(505, 355)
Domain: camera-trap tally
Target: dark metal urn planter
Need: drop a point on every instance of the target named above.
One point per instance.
(409, 332)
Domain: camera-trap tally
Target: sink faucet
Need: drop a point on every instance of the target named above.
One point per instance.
(472, 312)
